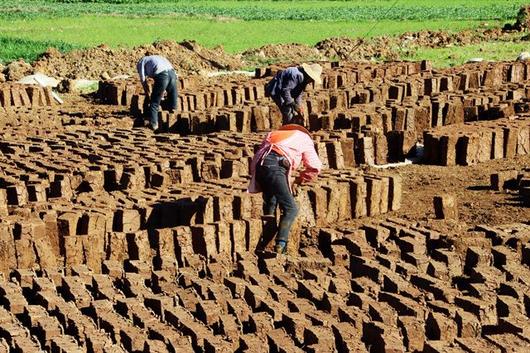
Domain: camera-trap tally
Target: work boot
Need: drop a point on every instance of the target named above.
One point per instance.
(280, 249)
(269, 229)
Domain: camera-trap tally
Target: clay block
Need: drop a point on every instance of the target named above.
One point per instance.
(445, 207)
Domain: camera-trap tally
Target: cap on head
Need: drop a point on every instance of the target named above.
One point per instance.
(314, 71)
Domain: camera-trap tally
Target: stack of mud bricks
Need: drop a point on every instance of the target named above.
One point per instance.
(389, 284)
(90, 195)
(15, 95)
(518, 180)
(471, 143)
(387, 107)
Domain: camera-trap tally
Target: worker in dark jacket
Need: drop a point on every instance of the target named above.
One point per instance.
(162, 71)
(287, 87)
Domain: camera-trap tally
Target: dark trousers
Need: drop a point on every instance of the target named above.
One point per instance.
(164, 81)
(272, 177)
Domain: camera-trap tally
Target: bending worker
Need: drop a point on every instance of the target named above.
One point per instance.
(287, 87)
(279, 155)
(162, 71)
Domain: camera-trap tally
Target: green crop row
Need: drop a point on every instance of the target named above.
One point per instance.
(12, 49)
(269, 10)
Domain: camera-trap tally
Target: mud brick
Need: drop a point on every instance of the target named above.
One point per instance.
(8, 259)
(24, 245)
(60, 188)
(138, 246)
(348, 155)
(238, 230)
(15, 96)
(255, 229)
(523, 141)
(445, 207)
(476, 344)
(253, 343)
(164, 240)
(440, 347)
(319, 339)
(259, 121)
(510, 142)
(64, 344)
(404, 306)
(383, 337)
(455, 113)
(476, 257)
(116, 246)
(516, 73)
(17, 195)
(3, 203)
(413, 331)
(503, 180)
(127, 221)
(468, 325)
(242, 207)
(525, 254)
(366, 150)
(208, 312)
(43, 249)
(448, 150)
(468, 149)
(13, 302)
(485, 311)
(347, 337)
(374, 189)
(335, 157)
(319, 202)
(184, 243)
(5, 97)
(295, 324)
(380, 149)
(432, 148)
(508, 342)
(279, 341)
(440, 327)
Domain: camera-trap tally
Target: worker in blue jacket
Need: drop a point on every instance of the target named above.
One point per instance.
(287, 87)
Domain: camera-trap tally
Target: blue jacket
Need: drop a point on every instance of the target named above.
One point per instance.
(287, 86)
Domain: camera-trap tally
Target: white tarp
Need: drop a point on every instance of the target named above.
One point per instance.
(39, 79)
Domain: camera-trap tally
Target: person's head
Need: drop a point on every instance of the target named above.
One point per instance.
(313, 72)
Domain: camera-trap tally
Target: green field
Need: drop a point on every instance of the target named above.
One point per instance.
(28, 27)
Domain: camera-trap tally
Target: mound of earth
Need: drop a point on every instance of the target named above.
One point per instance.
(357, 49)
(439, 39)
(290, 53)
(15, 70)
(187, 57)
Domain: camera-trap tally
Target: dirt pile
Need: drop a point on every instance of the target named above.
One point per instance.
(440, 39)
(15, 70)
(357, 49)
(187, 57)
(290, 53)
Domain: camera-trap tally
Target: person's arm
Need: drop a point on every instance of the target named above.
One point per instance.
(311, 162)
(141, 72)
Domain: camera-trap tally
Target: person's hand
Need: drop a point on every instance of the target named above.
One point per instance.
(296, 184)
(299, 110)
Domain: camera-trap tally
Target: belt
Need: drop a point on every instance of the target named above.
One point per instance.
(280, 158)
